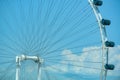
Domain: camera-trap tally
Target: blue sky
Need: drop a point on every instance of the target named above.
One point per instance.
(64, 33)
(110, 10)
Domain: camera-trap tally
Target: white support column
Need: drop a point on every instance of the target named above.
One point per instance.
(17, 68)
(103, 37)
(39, 71)
(39, 68)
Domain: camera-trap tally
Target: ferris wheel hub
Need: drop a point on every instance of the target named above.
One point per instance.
(26, 57)
(21, 58)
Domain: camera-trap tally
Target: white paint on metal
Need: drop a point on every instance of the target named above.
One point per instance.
(103, 38)
(21, 58)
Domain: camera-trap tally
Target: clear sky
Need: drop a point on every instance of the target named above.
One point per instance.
(110, 10)
(64, 33)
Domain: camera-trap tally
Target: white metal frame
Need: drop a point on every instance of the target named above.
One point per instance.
(103, 37)
(21, 58)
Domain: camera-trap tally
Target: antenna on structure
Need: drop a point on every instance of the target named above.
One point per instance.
(21, 58)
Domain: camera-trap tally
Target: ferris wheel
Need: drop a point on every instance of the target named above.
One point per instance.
(53, 40)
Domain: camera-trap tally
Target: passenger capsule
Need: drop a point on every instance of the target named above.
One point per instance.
(97, 2)
(109, 44)
(105, 22)
(109, 66)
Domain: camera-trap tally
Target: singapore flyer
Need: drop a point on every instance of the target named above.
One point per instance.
(57, 40)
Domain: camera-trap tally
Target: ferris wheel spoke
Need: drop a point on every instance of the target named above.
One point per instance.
(61, 55)
(69, 43)
(61, 39)
(73, 65)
